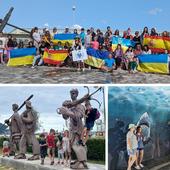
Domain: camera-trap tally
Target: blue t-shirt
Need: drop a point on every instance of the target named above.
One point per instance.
(82, 37)
(109, 62)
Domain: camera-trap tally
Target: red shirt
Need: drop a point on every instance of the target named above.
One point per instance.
(51, 141)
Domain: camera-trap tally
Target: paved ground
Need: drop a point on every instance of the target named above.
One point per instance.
(52, 75)
(35, 165)
(5, 168)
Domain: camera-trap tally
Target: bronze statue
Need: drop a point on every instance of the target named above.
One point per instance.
(75, 112)
(14, 124)
(29, 124)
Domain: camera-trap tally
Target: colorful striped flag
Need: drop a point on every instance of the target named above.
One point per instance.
(54, 57)
(125, 43)
(157, 44)
(63, 38)
(96, 58)
(23, 56)
(153, 63)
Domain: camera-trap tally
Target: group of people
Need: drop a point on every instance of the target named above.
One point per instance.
(98, 40)
(22, 132)
(135, 146)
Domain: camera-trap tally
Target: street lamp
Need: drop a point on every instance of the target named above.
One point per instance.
(74, 13)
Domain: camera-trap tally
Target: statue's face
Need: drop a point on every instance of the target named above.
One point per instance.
(74, 95)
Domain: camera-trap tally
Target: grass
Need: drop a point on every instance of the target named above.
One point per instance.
(5, 168)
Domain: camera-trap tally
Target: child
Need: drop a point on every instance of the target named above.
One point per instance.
(60, 150)
(43, 148)
(5, 149)
(51, 145)
(108, 63)
(92, 114)
(66, 147)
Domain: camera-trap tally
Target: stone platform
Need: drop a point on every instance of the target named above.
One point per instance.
(52, 75)
(35, 165)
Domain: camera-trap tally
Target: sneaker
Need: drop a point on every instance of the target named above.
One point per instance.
(141, 165)
(137, 167)
(52, 163)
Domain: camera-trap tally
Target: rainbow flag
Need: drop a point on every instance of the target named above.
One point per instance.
(124, 42)
(54, 57)
(23, 56)
(63, 38)
(96, 58)
(153, 63)
(157, 44)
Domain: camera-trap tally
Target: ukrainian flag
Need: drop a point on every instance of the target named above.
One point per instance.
(125, 43)
(157, 44)
(23, 56)
(153, 63)
(96, 58)
(54, 57)
(63, 38)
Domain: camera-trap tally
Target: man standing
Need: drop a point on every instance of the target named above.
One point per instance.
(15, 129)
(75, 113)
(29, 124)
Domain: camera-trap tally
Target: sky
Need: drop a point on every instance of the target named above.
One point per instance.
(119, 14)
(46, 100)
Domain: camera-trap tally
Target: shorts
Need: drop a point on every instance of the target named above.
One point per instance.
(140, 149)
(5, 150)
(51, 151)
(132, 152)
(89, 125)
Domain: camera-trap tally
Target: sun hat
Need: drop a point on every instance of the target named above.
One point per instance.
(131, 126)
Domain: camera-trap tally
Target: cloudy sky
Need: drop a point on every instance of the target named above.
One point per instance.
(46, 100)
(119, 14)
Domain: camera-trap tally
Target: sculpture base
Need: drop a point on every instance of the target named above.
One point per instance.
(35, 165)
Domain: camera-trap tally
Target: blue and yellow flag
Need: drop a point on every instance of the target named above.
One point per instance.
(96, 58)
(125, 43)
(153, 63)
(23, 56)
(63, 38)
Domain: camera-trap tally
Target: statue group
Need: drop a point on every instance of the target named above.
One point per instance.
(23, 126)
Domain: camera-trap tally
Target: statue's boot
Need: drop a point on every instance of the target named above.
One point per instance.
(34, 157)
(20, 156)
(79, 165)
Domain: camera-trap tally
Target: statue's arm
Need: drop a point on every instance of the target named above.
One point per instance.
(28, 119)
(65, 111)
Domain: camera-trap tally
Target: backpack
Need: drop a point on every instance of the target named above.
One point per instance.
(97, 114)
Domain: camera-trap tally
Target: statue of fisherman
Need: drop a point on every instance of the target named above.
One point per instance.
(29, 119)
(75, 114)
(15, 129)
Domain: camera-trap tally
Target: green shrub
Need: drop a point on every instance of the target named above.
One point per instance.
(96, 149)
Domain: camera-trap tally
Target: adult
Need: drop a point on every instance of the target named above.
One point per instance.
(137, 38)
(132, 145)
(75, 114)
(36, 37)
(144, 33)
(118, 55)
(153, 32)
(29, 124)
(10, 42)
(140, 149)
(15, 129)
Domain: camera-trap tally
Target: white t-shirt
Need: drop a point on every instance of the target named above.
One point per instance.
(133, 140)
(36, 36)
(66, 144)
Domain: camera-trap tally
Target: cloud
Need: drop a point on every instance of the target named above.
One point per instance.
(155, 11)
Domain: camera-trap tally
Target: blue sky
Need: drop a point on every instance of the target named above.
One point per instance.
(118, 14)
(46, 100)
